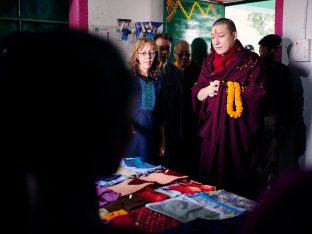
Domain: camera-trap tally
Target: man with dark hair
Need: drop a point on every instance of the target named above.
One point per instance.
(228, 98)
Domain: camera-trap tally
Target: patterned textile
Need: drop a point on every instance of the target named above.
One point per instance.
(105, 195)
(138, 166)
(166, 177)
(169, 192)
(233, 199)
(224, 210)
(110, 180)
(148, 95)
(126, 187)
(148, 221)
(151, 195)
(127, 203)
(183, 208)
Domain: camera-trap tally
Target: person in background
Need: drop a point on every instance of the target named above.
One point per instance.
(171, 77)
(187, 157)
(228, 99)
(148, 138)
(63, 125)
(182, 54)
(281, 120)
(199, 50)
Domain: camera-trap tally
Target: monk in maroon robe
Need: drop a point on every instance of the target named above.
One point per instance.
(230, 115)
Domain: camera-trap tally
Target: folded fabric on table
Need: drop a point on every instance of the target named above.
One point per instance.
(151, 195)
(148, 221)
(105, 195)
(137, 165)
(169, 192)
(111, 180)
(233, 200)
(183, 208)
(129, 186)
(165, 177)
(126, 203)
(225, 211)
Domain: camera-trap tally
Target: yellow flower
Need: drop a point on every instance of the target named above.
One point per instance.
(234, 96)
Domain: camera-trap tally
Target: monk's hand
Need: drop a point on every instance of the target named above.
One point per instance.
(214, 87)
(203, 93)
(209, 91)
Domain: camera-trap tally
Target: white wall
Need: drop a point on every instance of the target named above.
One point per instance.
(108, 11)
(103, 15)
(297, 24)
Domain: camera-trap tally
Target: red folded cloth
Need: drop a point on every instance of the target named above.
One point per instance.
(151, 195)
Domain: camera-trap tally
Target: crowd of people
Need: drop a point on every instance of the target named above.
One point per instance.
(217, 117)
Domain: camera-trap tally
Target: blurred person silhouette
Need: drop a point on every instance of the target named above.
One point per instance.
(199, 50)
(63, 125)
(228, 99)
(185, 160)
(283, 209)
(280, 113)
(171, 78)
(148, 134)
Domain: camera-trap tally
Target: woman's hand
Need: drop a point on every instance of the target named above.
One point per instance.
(209, 91)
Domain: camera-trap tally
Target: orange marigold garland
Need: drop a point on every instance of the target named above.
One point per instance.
(234, 96)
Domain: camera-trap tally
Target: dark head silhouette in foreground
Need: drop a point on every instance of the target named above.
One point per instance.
(64, 110)
(284, 208)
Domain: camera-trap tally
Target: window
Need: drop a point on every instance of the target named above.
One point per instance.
(33, 15)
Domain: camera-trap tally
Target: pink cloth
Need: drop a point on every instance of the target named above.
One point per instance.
(166, 177)
(129, 186)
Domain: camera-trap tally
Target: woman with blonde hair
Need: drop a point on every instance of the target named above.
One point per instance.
(147, 141)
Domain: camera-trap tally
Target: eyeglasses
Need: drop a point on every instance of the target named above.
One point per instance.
(180, 55)
(151, 53)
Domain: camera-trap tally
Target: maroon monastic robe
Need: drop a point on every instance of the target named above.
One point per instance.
(230, 150)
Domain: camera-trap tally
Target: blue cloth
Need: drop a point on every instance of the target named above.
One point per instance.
(136, 162)
(110, 180)
(146, 119)
(137, 165)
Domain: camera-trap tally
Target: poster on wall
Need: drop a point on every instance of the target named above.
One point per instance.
(147, 29)
(124, 27)
(190, 19)
(113, 33)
